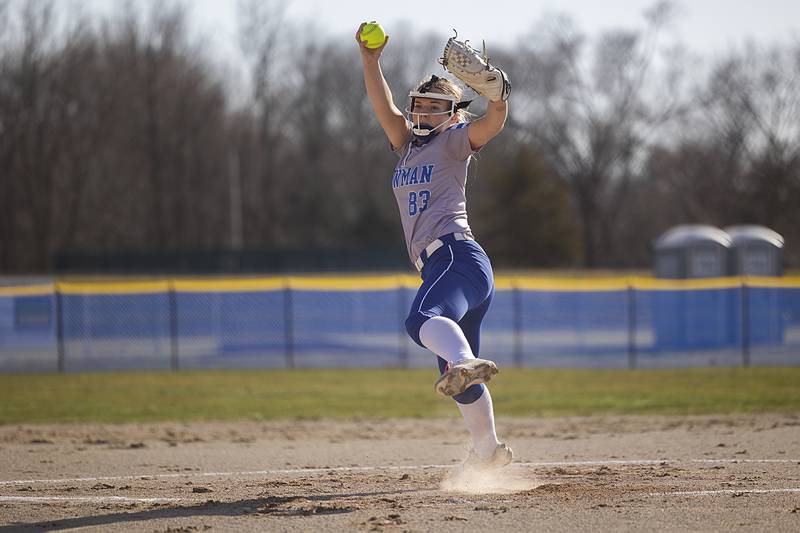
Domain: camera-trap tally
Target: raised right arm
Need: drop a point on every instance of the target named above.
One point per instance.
(391, 119)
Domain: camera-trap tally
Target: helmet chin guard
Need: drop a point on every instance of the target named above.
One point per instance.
(426, 131)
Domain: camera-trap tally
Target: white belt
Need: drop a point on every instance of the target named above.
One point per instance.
(435, 245)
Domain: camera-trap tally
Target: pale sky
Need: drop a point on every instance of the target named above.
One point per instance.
(702, 25)
(707, 27)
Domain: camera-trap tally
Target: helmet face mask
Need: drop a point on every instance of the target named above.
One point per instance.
(424, 131)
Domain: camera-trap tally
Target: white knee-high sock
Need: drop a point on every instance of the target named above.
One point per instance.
(479, 418)
(444, 337)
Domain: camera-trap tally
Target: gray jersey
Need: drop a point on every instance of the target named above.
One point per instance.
(429, 184)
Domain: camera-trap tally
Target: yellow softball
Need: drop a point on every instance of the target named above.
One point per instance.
(373, 34)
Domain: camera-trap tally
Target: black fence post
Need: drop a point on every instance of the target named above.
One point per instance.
(516, 309)
(172, 303)
(745, 322)
(632, 353)
(402, 339)
(59, 312)
(288, 324)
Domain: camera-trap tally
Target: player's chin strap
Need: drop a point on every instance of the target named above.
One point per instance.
(424, 132)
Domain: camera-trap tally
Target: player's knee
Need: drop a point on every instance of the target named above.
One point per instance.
(470, 395)
(413, 324)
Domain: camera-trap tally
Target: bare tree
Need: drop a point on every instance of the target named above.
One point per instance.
(168, 148)
(593, 119)
(522, 212)
(262, 39)
(30, 145)
(122, 136)
(739, 162)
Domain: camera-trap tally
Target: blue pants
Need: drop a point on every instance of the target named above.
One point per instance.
(457, 283)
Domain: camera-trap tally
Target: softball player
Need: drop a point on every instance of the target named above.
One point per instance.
(434, 144)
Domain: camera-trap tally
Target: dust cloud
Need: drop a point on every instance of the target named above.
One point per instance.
(480, 481)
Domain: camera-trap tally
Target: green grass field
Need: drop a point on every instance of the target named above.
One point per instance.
(342, 394)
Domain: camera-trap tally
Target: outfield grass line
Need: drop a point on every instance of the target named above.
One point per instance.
(312, 395)
(279, 471)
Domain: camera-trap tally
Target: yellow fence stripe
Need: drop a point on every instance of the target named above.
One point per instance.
(654, 284)
(788, 282)
(116, 287)
(561, 284)
(374, 283)
(230, 285)
(390, 282)
(42, 289)
(300, 283)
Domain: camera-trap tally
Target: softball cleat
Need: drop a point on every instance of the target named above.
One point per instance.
(501, 457)
(462, 374)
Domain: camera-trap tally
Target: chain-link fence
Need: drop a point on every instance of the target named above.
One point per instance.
(294, 322)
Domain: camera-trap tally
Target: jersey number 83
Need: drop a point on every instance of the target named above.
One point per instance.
(418, 202)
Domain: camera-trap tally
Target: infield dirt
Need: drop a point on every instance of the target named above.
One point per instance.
(699, 473)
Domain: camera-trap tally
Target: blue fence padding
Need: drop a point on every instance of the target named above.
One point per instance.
(771, 311)
(690, 320)
(116, 332)
(306, 328)
(355, 328)
(27, 334)
(571, 328)
(774, 326)
(230, 329)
